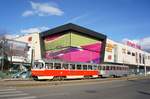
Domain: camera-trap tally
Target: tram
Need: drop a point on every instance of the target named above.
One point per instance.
(56, 70)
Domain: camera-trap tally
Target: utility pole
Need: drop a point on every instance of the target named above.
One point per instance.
(144, 64)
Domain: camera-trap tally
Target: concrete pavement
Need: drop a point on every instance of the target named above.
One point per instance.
(131, 89)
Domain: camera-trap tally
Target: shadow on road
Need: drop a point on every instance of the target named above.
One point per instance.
(143, 92)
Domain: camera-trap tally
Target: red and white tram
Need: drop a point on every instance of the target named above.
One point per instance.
(62, 70)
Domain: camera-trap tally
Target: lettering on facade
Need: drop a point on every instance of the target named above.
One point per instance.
(109, 57)
(133, 45)
(109, 47)
(29, 39)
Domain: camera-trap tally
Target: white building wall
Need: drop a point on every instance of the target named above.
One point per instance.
(109, 51)
(124, 54)
(33, 40)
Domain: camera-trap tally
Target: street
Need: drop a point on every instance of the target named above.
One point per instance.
(131, 89)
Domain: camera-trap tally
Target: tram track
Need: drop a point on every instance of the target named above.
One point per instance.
(31, 83)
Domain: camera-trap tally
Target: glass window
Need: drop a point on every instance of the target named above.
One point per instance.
(99, 67)
(38, 65)
(65, 66)
(49, 65)
(128, 52)
(110, 67)
(133, 54)
(57, 65)
(72, 66)
(107, 67)
(115, 68)
(79, 67)
(143, 59)
(104, 67)
(149, 57)
(95, 67)
(140, 57)
(84, 67)
(89, 67)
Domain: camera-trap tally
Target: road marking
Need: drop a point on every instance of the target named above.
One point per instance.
(10, 92)
(11, 95)
(58, 94)
(7, 90)
(28, 97)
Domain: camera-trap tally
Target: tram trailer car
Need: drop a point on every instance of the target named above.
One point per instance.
(60, 71)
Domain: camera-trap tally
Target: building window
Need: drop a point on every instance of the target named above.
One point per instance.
(133, 54)
(149, 57)
(128, 52)
(29, 39)
(136, 55)
(140, 57)
(143, 59)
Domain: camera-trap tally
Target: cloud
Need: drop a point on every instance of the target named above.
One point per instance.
(78, 18)
(11, 36)
(145, 42)
(28, 13)
(33, 30)
(43, 9)
(84, 19)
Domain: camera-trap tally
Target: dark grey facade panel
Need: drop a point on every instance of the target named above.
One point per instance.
(74, 27)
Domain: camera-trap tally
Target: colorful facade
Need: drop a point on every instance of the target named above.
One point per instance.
(72, 43)
(72, 47)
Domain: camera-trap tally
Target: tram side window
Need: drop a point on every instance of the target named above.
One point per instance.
(49, 65)
(40, 65)
(99, 67)
(107, 67)
(95, 67)
(113, 68)
(110, 68)
(89, 67)
(57, 66)
(79, 67)
(84, 67)
(119, 68)
(72, 66)
(65, 66)
(103, 67)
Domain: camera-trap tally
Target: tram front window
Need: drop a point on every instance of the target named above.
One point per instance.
(38, 65)
(49, 65)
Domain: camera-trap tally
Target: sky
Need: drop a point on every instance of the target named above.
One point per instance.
(118, 19)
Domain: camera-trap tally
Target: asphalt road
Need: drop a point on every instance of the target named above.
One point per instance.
(132, 89)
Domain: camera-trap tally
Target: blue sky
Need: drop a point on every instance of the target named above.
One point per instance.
(118, 19)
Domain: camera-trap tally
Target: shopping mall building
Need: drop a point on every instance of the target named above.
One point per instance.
(73, 43)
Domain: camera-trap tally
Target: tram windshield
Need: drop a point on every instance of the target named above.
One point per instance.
(38, 65)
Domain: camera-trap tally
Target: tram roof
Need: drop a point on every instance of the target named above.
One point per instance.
(73, 27)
